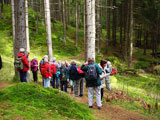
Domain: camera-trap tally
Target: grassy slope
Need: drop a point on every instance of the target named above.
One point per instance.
(31, 101)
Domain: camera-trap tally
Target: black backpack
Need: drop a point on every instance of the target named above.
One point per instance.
(91, 74)
(74, 72)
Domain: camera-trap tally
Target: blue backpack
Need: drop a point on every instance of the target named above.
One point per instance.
(91, 74)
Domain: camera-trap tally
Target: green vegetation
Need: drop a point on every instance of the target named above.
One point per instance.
(31, 101)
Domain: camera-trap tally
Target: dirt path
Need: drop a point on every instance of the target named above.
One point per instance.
(110, 112)
(3, 84)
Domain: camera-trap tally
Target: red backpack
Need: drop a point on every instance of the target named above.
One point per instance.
(80, 72)
(113, 71)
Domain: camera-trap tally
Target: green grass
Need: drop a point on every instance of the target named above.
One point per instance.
(31, 101)
(144, 86)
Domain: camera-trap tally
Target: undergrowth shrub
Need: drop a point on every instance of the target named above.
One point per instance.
(141, 64)
(156, 70)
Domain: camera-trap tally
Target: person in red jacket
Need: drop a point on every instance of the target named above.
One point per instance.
(46, 73)
(23, 72)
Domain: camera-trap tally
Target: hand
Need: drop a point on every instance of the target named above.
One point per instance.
(67, 80)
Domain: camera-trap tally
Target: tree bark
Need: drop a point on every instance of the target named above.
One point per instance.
(121, 28)
(27, 26)
(77, 23)
(48, 27)
(64, 22)
(13, 25)
(98, 26)
(91, 28)
(20, 31)
(108, 22)
(114, 24)
(131, 34)
(59, 10)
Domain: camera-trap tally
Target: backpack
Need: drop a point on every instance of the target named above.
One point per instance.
(80, 72)
(18, 63)
(91, 73)
(113, 71)
(44, 70)
(63, 73)
(74, 73)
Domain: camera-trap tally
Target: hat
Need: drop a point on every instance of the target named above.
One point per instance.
(46, 56)
(35, 57)
(73, 62)
(109, 63)
(54, 59)
(21, 50)
(45, 60)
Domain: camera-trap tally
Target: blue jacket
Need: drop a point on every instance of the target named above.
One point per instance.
(99, 72)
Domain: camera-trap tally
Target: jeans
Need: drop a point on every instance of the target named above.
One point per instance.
(78, 84)
(23, 76)
(35, 76)
(46, 82)
(55, 79)
(64, 86)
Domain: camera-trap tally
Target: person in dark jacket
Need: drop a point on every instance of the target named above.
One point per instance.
(93, 85)
(23, 72)
(0, 62)
(73, 75)
(34, 68)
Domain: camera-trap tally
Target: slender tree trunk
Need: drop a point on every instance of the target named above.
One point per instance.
(145, 41)
(37, 18)
(85, 31)
(91, 28)
(64, 22)
(59, 10)
(108, 22)
(98, 26)
(121, 27)
(131, 34)
(114, 25)
(48, 27)
(68, 11)
(13, 24)
(77, 23)
(27, 27)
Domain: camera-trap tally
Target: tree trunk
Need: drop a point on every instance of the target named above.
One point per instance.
(64, 21)
(131, 34)
(91, 28)
(68, 11)
(121, 28)
(20, 31)
(98, 25)
(59, 10)
(48, 27)
(37, 18)
(77, 23)
(108, 22)
(85, 31)
(114, 24)
(145, 41)
(13, 24)
(27, 27)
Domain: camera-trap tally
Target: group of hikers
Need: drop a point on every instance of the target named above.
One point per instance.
(97, 76)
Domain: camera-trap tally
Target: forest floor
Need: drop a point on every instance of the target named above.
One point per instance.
(108, 112)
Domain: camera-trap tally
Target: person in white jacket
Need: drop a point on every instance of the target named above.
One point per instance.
(108, 70)
(103, 76)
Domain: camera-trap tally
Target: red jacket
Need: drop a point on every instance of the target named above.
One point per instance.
(25, 62)
(53, 69)
(46, 70)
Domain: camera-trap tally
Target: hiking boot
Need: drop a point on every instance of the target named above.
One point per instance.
(99, 108)
(90, 106)
(80, 95)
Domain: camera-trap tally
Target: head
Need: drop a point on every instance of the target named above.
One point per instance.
(90, 59)
(62, 63)
(35, 57)
(109, 63)
(22, 50)
(103, 63)
(54, 59)
(27, 53)
(66, 63)
(73, 62)
(46, 56)
(45, 60)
